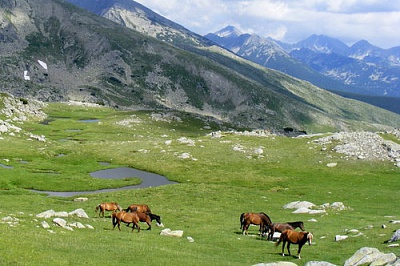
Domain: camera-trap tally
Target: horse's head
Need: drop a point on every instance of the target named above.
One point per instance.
(301, 225)
(97, 208)
(119, 207)
(309, 238)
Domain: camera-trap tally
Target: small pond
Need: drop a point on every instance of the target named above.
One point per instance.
(148, 180)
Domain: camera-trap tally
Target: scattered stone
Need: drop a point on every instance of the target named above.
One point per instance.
(61, 214)
(340, 238)
(45, 225)
(395, 237)
(319, 263)
(169, 232)
(79, 213)
(190, 239)
(60, 222)
(299, 204)
(80, 199)
(77, 225)
(279, 263)
(331, 165)
(370, 256)
(46, 214)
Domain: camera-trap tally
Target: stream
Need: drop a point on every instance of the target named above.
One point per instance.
(148, 180)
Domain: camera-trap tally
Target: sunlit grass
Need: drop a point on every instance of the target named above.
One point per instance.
(221, 178)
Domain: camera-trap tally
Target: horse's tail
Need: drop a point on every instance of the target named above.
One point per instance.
(113, 218)
(119, 207)
(241, 220)
(279, 240)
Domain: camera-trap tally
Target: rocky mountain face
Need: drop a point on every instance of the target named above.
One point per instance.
(361, 69)
(52, 50)
(362, 65)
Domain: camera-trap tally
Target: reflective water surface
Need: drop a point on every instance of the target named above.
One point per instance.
(148, 180)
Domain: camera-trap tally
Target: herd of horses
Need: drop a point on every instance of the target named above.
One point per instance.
(136, 213)
(288, 235)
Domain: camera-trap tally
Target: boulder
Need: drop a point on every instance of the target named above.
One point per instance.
(298, 205)
(370, 256)
(60, 222)
(79, 213)
(279, 263)
(319, 263)
(169, 232)
(46, 214)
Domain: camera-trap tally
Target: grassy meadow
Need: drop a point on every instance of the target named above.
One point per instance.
(220, 179)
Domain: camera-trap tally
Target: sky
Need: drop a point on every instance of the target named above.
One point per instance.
(290, 21)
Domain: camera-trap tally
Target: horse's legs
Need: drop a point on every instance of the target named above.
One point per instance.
(149, 224)
(298, 252)
(271, 233)
(283, 248)
(245, 229)
(288, 247)
(137, 225)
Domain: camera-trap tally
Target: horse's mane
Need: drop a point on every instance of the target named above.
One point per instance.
(269, 219)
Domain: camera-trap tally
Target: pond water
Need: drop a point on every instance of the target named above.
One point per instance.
(148, 180)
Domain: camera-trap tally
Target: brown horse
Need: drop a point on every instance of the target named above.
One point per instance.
(138, 208)
(125, 217)
(260, 218)
(294, 237)
(280, 227)
(148, 217)
(108, 206)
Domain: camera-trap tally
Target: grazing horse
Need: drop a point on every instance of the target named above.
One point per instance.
(108, 206)
(125, 217)
(148, 217)
(260, 218)
(138, 208)
(280, 227)
(294, 237)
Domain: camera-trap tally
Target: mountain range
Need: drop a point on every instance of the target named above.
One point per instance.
(359, 71)
(53, 50)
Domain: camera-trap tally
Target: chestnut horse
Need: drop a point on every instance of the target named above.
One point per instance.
(108, 206)
(280, 227)
(294, 237)
(260, 218)
(148, 217)
(125, 217)
(138, 208)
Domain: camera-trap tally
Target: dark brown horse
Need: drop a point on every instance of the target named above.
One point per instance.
(138, 208)
(294, 237)
(280, 227)
(107, 206)
(259, 218)
(125, 217)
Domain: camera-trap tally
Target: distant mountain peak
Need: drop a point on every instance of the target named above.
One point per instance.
(228, 31)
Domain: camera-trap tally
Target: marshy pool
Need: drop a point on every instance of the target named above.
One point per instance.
(148, 180)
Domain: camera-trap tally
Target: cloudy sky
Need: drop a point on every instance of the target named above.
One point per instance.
(377, 21)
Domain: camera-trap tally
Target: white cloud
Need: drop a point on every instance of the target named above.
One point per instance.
(376, 21)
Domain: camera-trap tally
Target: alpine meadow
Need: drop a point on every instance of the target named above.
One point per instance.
(195, 132)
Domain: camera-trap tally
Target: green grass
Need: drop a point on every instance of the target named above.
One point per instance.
(215, 187)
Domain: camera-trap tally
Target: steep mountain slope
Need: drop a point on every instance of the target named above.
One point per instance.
(138, 17)
(55, 51)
